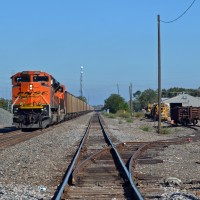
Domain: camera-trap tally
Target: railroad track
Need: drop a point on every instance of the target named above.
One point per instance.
(152, 187)
(16, 137)
(97, 171)
(11, 136)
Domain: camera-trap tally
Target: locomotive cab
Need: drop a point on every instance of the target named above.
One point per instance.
(39, 100)
(34, 100)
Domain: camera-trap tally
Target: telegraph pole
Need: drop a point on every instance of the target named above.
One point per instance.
(81, 82)
(159, 77)
(131, 100)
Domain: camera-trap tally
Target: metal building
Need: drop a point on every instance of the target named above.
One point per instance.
(185, 99)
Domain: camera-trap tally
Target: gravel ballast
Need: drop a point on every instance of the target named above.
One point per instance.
(5, 118)
(180, 161)
(28, 170)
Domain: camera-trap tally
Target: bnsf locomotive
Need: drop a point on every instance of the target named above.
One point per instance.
(38, 100)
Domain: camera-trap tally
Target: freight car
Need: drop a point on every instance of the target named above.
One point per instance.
(39, 100)
(185, 115)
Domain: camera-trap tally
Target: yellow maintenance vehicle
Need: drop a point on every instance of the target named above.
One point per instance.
(148, 110)
(165, 112)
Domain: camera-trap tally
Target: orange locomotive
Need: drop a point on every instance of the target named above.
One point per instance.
(38, 100)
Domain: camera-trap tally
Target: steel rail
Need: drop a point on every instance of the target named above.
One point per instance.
(128, 175)
(135, 156)
(67, 176)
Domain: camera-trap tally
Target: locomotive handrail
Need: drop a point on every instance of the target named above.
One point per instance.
(14, 102)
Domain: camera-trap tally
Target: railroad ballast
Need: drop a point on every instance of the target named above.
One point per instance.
(39, 100)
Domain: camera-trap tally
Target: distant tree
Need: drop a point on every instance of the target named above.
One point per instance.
(137, 94)
(5, 104)
(146, 97)
(83, 98)
(164, 93)
(115, 102)
(172, 92)
(136, 105)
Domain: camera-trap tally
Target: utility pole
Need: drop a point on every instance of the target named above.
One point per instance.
(159, 77)
(81, 82)
(118, 88)
(131, 99)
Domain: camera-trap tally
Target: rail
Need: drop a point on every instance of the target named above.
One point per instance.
(67, 176)
(58, 195)
(128, 175)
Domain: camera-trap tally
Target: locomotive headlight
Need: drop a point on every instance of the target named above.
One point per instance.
(31, 86)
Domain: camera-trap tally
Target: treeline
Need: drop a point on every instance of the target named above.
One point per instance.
(142, 99)
(172, 92)
(5, 104)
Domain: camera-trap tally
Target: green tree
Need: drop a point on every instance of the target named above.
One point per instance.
(5, 103)
(115, 102)
(172, 92)
(146, 97)
(137, 94)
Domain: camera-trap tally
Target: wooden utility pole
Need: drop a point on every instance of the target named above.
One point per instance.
(159, 77)
(131, 99)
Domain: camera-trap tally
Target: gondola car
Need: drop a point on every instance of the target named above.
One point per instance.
(39, 100)
(185, 115)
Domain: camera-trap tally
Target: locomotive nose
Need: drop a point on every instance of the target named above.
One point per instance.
(29, 86)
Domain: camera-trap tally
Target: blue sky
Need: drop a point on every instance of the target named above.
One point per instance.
(114, 40)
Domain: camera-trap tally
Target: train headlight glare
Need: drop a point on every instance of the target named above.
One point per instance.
(31, 86)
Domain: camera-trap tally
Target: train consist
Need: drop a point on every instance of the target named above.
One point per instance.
(39, 100)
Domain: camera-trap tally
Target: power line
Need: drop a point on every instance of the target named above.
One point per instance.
(180, 15)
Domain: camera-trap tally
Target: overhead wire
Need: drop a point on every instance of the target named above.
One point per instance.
(171, 21)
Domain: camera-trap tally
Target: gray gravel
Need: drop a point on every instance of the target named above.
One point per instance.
(5, 118)
(180, 161)
(29, 169)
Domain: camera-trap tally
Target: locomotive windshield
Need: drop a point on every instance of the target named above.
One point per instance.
(40, 78)
(19, 79)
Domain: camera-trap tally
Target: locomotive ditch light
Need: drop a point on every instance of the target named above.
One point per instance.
(15, 110)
